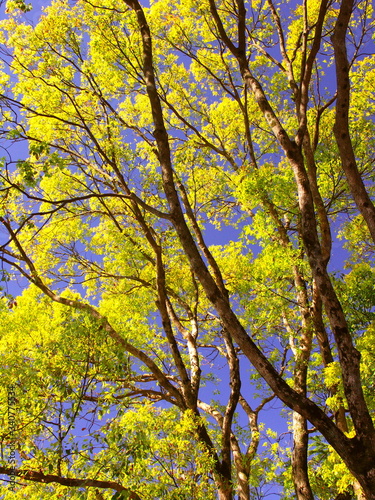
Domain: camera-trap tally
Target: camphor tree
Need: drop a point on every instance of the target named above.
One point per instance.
(146, 126)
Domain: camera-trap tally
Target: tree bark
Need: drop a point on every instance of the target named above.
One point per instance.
(359, 452)
(341, 128)
(301, 353)
(40, 477)
(299, 458)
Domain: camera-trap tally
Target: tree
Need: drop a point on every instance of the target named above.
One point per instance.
(145, 127)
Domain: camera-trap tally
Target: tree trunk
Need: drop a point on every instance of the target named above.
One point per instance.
(358, 491)
(358, 453)
(300, 471)
(341, 128)
(299, 459)
(225, 490)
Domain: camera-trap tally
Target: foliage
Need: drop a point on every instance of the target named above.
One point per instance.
(171, 209)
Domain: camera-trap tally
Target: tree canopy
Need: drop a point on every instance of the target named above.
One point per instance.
(187, 202)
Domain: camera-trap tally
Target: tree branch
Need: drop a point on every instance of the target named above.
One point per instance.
(39, 477)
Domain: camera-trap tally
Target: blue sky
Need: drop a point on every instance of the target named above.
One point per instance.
(271, 415)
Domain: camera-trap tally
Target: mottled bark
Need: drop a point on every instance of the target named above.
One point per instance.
(299, 459)
(349, 356)
(325, 231)
(358, 492)
(326, 353)
(235, 387)
(341, 128)
(359, 452)
(301, 353)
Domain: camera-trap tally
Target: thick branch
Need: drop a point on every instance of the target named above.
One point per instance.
(349, 449)
(39, 477)
(341, 128)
